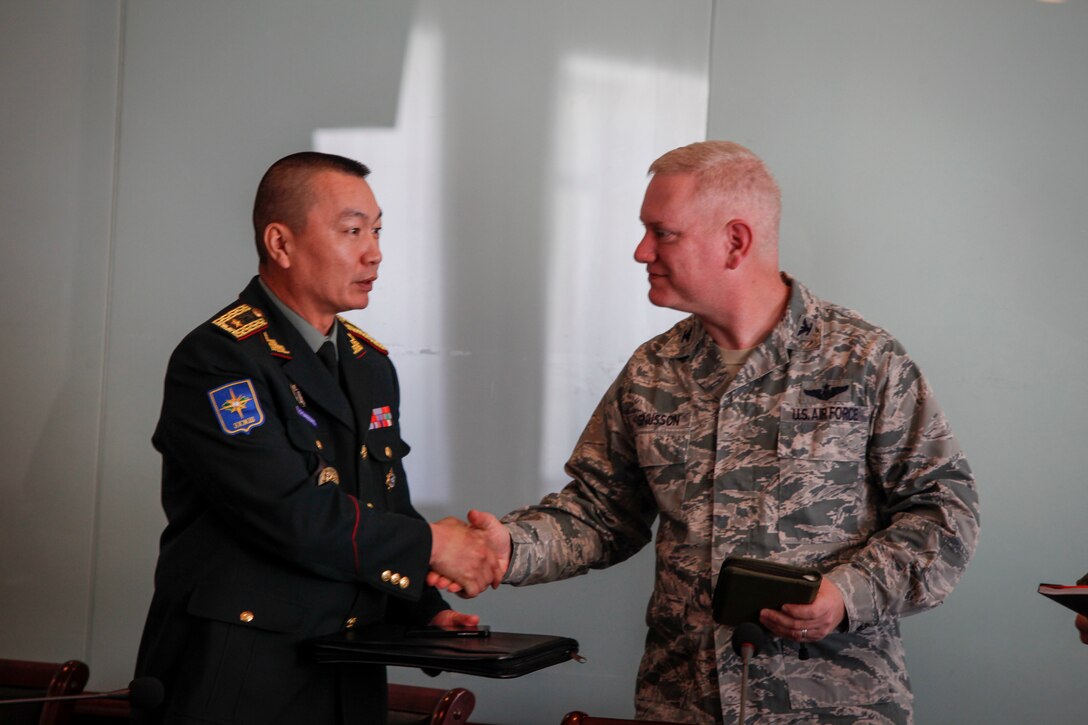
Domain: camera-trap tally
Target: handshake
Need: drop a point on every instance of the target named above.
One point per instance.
(467, 558)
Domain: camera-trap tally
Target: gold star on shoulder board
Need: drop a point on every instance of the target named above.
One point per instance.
(241, 321)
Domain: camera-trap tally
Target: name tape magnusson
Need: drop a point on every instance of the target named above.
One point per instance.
(659, 420)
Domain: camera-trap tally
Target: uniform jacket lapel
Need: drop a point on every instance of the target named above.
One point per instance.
(356, 381)
(304, 368)
(318, 386)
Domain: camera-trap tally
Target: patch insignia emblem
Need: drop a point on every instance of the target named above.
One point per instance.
(823, 401)
(276, 348)
(381, 418)
(236, 407)
(298, 395)
(357, 348)
(827, 392)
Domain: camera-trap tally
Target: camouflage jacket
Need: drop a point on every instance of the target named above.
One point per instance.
(828, 449)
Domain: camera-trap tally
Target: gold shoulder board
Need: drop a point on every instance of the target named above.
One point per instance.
(242, 321)
(357, 334)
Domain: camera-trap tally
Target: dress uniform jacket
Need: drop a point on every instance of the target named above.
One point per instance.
(288, 517)
(827, 450)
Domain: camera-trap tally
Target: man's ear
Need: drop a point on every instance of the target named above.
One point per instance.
(278, 244)
(738, 240)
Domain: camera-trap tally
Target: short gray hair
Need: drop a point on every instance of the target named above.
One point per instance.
(728, 170)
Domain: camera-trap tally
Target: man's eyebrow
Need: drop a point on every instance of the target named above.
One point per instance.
(356, 214)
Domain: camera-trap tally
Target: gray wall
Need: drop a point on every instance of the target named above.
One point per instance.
(934, 171)
(59, 86)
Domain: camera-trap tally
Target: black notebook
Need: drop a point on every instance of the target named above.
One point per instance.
(483, 653)
(1074, 597)
(746, 586)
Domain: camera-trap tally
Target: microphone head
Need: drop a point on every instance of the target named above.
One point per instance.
(146, 693)
(748, 633)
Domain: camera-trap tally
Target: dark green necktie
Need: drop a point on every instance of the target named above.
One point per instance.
(327, 353)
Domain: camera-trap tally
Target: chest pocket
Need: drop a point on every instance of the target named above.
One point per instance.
(663, 456)
(385, 446)
(822, 440)
(823, 424)
(656, 449)
(381, 472)
(822, 497)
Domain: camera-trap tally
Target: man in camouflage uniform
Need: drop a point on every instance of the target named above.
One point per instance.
(769, 424)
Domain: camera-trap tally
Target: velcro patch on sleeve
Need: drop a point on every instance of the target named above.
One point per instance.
(236, 407)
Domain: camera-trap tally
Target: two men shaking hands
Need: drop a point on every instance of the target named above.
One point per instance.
(467, 558)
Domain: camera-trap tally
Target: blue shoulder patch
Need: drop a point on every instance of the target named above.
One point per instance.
(236, 407)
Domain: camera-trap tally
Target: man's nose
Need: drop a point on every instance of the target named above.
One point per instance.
(644, 253)
(373, 254)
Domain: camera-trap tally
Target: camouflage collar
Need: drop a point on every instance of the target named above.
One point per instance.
(683, 338)
(799, 329)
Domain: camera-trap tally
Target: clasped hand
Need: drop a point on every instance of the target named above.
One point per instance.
(807, 622)
(467, 558)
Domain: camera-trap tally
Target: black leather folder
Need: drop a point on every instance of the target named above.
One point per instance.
(746, 586)
(486, 654)
(1074, 597)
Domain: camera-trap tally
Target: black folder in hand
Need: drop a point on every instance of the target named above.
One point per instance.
(746, 586)
(490, 654)
(1073, 597)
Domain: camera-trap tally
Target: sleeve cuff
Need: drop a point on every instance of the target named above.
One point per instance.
(856, 596)
(520, 566)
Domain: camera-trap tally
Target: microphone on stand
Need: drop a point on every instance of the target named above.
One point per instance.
(145, 693)
(747, 641)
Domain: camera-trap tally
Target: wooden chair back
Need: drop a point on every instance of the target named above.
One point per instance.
(580, 718)
(414, 705)
(26, 678)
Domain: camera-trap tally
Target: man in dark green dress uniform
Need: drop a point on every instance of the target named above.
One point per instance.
(283, 480)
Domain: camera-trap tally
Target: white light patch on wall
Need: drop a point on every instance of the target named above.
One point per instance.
(406, 305)
(613, 118)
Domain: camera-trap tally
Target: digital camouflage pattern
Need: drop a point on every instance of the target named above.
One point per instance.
(827, 450)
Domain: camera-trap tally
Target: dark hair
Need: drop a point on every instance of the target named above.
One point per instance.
(284, 194)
